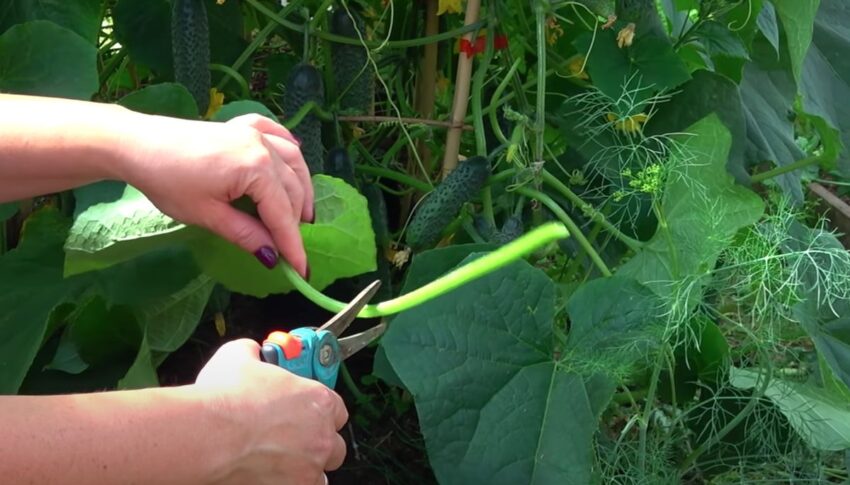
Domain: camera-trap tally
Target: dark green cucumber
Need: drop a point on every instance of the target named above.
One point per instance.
(354, 79)
(512, 228)
(378, 212)
(190, 49)
(303, 85)
(486, 230)
(338, 164)
(441, 206)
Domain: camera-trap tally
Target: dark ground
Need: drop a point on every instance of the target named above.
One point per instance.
(384, 442)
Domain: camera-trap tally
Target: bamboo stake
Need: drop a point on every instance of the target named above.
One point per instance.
(461, 95)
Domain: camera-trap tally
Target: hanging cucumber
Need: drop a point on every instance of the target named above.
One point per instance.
(354, 78)
(442, 205)
(512, 228)
(303, 85)
(378, 212)
(190, 49)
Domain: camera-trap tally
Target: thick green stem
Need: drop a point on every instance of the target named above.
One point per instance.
(494, 101)
(478, 117)
(540, 125)
(398, 44)
(570, 225)
(234, 74)
(400, 177)
(507, 254)
(258, 41)
(588, 209)
(803, 163)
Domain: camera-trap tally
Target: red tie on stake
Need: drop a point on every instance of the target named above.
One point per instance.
(470, 49)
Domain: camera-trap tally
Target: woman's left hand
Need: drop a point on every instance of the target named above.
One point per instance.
(193, 170)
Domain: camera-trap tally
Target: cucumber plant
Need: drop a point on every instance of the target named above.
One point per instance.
(692, 327)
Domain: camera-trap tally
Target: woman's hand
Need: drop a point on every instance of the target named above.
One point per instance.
(289, 424)
(193, 170)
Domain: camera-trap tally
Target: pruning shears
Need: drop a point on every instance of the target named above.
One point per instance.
(316, 353)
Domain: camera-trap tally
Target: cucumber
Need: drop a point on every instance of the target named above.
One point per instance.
(190, 49)
(338, 164)
(512, 228)
(442, 205)
(378, 212)
(303, 85)
(354, 79)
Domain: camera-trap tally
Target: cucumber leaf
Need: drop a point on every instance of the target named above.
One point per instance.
(115, 222)
(797, 18)
(79, 16)
(31, 286)
(703, 208)
(242, 107)
(166, 99)
(44, 59)
(822, 419)
(495, 405)
(340, 243)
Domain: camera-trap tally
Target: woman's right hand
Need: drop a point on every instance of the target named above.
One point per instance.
(285, 427)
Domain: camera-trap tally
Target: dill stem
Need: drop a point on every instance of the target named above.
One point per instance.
(647, 409)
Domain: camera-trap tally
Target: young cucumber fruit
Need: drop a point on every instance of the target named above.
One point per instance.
(353, 76)
(338, 164)
(442, 205)
(190, 49)
(304, 85)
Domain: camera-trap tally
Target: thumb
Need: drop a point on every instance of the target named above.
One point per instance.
(245, 231)
(225, 366)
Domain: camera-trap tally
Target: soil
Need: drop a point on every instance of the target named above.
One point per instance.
(385, 445)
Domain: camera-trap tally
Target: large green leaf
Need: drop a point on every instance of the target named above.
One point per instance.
(494, 404)
(649, 63)
(166, 99)
(425, 267)
(142, 373)
(242, 107)
(42, 58)
(703, 208)
(339, 243)
(169, 322)
(767, 94)
(797, 18)
(613, 322)
(703, 95)
(143, 27)
(31, 285)
(80, 16)
(820, 418)
(115, 222)
(826, 78)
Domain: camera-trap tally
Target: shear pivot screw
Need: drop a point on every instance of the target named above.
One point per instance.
(326, 355)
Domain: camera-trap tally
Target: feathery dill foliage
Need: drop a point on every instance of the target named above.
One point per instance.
(627, 163)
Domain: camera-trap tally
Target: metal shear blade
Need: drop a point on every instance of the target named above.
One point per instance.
(341, 321)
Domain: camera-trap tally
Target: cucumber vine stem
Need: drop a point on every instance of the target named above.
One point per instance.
(594, 214)
(397, 44)
(570, 225)
(802, 163)
(519, 248)
(540, 122)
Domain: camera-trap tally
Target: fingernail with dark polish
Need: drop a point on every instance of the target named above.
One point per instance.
(267, 256)
(307, 274)
(297, 140)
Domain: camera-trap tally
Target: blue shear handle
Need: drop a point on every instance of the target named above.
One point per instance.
(307, 364)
